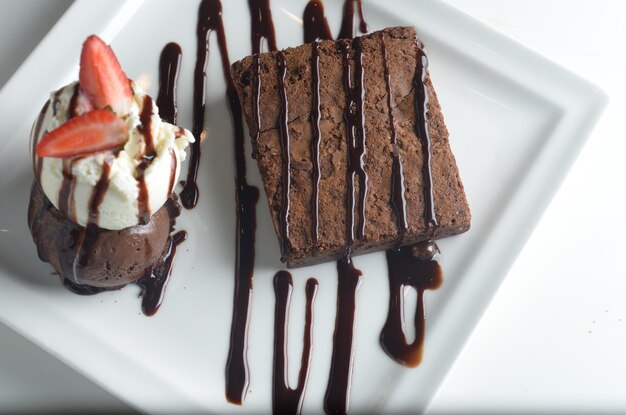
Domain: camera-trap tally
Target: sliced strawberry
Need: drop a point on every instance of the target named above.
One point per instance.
(95, 131)
(101, 77)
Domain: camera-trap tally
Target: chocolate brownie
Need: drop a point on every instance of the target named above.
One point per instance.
(396, 49)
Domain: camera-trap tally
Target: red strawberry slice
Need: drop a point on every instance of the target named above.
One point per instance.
(101, 77)
(95, 131)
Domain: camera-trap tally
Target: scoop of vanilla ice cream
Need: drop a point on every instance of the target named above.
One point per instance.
(119, 208)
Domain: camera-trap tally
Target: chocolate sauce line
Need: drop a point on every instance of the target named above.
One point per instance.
(354, 118)
(36, 136)
(56, 101)
(416, 266)
(347, 22)
(154, 283)
(315, 142)
(99, 191)
(315, 29)
(337, 398)
(286, 400)
(207, 13)
(421, 129)
(72, 107)
(283, 124)
(169, 68)
(237, 372)
(66, 191)
(398, 200)
(87, 235)
(409, 268)
(149, 153)
(262, 27)
(315, 23)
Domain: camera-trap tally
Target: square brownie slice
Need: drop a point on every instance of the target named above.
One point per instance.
(336, 133)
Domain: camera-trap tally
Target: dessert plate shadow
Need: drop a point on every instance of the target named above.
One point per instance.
(516, 121)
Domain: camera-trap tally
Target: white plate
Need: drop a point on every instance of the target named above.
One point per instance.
(516, 122)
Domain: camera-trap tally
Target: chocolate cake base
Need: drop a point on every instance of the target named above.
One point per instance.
(96, 257)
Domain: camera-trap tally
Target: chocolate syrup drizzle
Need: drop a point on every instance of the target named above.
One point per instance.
(237, 372)
(149, 153)
(36, 135)
(286, 400)
(315, 29)
(398, 200)
(337, 398)
(354, 117)
(72, 108)
(416, 266)
(347, 22)
(190, 193)
(421, 129)
(87, 235)
(154, 283)
(262, 28)
(283, 124)
(315, 23)
(66, 191)
(169, 68)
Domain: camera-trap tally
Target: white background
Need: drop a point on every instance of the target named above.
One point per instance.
(554, 338)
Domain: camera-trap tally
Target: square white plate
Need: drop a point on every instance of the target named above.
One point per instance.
(516, 122)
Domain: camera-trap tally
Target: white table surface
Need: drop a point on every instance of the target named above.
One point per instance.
(553, 339)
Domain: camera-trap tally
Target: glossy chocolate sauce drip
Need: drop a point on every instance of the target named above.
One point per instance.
(283, 124)
(286, 400)
(56, 101)
(66, 191)
(169, 68)
(237, 372)
(414, 266)
(84, 239)
(315, 29)
(36, 135)
(337, 399)
(72, 107)
(421, 129)
(99, 191)
(149, 153)
(208, 14)
(347, 22)
(154, 283)
(354, 117)
(398, 200)
(315, 23)
(262, 28)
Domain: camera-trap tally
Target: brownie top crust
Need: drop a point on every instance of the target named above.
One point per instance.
(332, 124)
